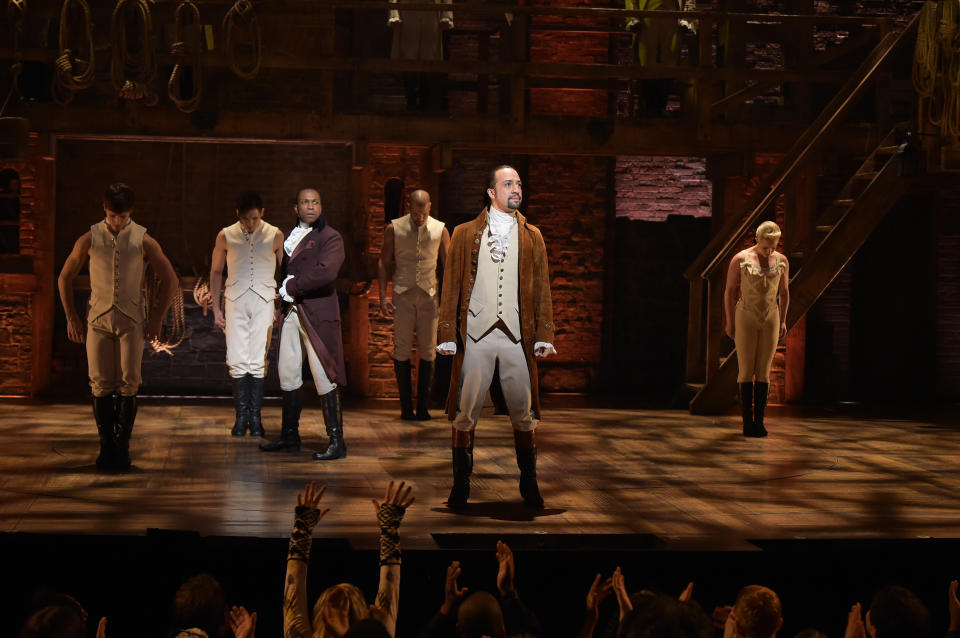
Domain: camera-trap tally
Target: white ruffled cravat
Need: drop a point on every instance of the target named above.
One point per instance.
(499, 225)
(290, 244)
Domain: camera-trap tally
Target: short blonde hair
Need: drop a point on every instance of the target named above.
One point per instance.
(758, 611)
(342, 596)
(768, 231)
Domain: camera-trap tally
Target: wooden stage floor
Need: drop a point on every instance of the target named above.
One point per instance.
(610, 477)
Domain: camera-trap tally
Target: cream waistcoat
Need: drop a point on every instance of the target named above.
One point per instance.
(496, 291)
(251, 262)
(415, 251)
(116, 271)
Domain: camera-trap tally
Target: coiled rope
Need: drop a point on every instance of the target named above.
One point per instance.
(242, 19)
(936, 65)
(202, 296)
(188, 55)
(173, 326)
(133, 66)
(74, 71)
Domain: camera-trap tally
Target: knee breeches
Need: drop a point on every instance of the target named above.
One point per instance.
(756, 341)
(294, 345)
(479, 360)
(249, 321)
(415, 311)
(114, 354)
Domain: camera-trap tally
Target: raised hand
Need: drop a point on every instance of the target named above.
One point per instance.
(102, 628)
(620, 590)
(311, 498)
(506, 571)
(452, 594)
(599, 590)
(400, 498)
(855, 628)
(242, 623)
(686, 594)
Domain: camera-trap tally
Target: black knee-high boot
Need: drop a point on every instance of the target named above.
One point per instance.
(462, 449)
(126, 415)
(527, 462)
(289, 425)
(254, 402)
(746, 407)
(424, 383)
(405, 387)
(760, 393)
(333, 420)
(104, 411)
(241, 404)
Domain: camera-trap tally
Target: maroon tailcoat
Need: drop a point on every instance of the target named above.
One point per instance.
(315, 263)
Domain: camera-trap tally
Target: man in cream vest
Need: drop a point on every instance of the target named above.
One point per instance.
(496, 310)
(117, 321)
(251, 250)
(413, 244)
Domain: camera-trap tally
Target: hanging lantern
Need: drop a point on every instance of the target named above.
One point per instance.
(14, 132)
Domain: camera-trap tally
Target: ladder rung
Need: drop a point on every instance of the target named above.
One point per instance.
(886, 150)
(797, 254)
(869, 175)
(824, 228)
(844, 202)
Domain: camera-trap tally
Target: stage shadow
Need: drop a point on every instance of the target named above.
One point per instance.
(93, 469)
(500, 511)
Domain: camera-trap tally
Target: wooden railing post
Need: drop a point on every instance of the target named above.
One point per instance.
(696, 370)
(715, 335)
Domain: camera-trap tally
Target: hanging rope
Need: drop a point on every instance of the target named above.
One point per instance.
(16, 14)
(201, 294)
(950, 54)
(927, 51)
(188, 55)
(173, 326)
(133, 66)
(936, 65)
(74, 69)
(241, 19)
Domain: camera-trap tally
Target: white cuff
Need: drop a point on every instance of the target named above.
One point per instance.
(447, 347)
(283, 290)
(543, 344)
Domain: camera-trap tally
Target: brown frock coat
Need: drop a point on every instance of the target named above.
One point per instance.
(314, 264)
(536, 308)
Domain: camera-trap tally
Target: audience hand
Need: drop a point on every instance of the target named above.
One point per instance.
(687, 594)
(855, 628)
(953, 604)
(599, 591)
(379, 614)
(720, 615)
(311, 498)
(452, 594)
(506, 571)
(401, 498)
(242, 623)
(102, 628)
(620, 589)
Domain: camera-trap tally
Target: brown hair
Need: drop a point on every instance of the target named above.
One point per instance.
(758, 612)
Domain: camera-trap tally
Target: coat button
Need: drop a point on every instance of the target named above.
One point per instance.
(476, 241)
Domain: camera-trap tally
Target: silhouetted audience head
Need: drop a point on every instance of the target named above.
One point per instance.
(200, 604)
(666, 617)
(59, 620)
(757, 612)
(367, 628)
(811, 633)
(337, 609)
(480, 615)
(897, 613)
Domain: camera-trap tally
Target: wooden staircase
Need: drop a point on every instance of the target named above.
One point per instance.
(831, 243)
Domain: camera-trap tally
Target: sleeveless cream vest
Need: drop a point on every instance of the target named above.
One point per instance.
(116, 271)
(415, 251)
(251, 262)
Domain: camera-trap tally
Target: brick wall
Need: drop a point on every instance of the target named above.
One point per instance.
(16, 349)
(652, 188)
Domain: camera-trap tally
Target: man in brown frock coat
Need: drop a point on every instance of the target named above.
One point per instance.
(496, 312)
(310, 325)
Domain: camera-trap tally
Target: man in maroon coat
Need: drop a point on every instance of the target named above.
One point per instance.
(310, 325)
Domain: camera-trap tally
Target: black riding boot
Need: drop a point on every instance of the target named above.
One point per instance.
(241, 402)
(405, 387)
(289, 424)
(462, 468)
(760, 393)
(746, 407)
(104, 412)
(424, 383)
(527, 462)
(255, 400)
(333, 420)
(126, 415)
